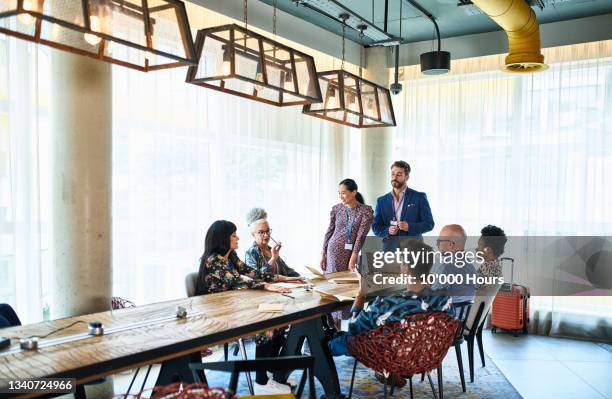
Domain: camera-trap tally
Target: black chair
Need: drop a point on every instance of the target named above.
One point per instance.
(479, 337)
(235, 367)
(471, 332)
(8, 316)
(462, 310)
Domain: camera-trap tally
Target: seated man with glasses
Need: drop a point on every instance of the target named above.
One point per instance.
(455, 274)
(261, 256)
(418, 297)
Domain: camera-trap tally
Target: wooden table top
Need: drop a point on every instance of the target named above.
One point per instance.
(212, 319)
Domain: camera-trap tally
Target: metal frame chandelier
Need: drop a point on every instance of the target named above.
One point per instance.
(351, 100)
(141, 34)
(238, 61)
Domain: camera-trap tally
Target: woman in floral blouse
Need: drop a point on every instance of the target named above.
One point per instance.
(222, 270)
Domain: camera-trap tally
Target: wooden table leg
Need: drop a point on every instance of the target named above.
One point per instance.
(325, 367)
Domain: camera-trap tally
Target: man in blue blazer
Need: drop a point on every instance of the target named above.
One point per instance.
(403, 211)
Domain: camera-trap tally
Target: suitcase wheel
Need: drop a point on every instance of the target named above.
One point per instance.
(515, 333)
(494, 330)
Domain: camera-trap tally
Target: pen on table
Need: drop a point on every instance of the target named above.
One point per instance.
(287, 295)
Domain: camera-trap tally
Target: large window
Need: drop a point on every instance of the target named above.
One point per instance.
(25, 196)
(530, 153)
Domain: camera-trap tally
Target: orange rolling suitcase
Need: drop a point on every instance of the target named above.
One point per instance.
(510, 309)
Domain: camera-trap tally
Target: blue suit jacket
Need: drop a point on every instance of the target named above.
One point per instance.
(415, 211)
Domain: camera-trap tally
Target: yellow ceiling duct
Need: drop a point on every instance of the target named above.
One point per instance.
(520, 23)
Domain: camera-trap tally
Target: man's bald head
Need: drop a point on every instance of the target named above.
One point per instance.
(456, 234)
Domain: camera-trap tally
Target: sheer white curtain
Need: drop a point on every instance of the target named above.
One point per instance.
(24, 180)
(529, 153)
(185, 156)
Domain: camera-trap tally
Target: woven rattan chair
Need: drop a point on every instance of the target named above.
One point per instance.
(416, 345)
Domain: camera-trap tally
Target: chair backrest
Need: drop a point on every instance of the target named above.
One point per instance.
(485, 294)
(190, 283)
(462, 311)
(416, 345)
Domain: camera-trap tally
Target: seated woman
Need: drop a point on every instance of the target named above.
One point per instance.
(222, 270)
(261, 256)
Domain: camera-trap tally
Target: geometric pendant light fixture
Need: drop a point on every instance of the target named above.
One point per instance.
(238, 61)
(141, 34)
(350, 100)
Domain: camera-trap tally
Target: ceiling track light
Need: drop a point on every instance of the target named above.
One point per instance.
(333, 9)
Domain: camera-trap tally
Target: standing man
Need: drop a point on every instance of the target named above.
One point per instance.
(403, 211)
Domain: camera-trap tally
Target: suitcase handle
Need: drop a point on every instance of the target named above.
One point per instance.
(508, 287)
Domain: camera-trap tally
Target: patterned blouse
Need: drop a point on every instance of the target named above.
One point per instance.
(361, 218)
(490, 269)
(257, 260)
(219, 274)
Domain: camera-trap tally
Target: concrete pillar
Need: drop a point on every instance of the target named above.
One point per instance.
(376, 143)
(81, 106)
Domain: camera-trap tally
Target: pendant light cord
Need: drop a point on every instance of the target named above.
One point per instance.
(246, 21)
(343, 40)
(274, 20)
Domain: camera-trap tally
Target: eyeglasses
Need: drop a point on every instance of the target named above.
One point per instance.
(438, 241)
(264, 232)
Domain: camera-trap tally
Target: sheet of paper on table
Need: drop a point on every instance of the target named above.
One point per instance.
(339, 298)
(270, 307)
(289, 285)
(318, 273)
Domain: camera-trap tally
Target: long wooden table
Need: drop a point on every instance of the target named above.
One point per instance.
(152, 335)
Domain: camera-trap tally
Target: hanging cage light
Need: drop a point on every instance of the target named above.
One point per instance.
(351, 100)
(238, 61)
(140, 34)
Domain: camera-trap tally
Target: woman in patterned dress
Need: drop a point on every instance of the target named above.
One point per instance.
(349, 224)
(222, 270)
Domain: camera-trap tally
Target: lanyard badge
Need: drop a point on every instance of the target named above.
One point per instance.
(349, 230)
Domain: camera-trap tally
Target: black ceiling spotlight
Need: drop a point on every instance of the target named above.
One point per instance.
(433, 62)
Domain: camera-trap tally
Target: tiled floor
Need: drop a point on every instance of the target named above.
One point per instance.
(543, 367)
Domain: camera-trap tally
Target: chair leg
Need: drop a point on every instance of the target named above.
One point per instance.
(392, 387)
(352, 379)
(433, 389)
(300, 389)
(410, 382)
(440, 383)
(422, 377)
(460, 365)
(386, 387)
(470, 343)
(132, 383)
(226, 351)
(244, 357)
(145, 378)
(480, 347)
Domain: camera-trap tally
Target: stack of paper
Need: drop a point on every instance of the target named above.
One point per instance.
(354, 279)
